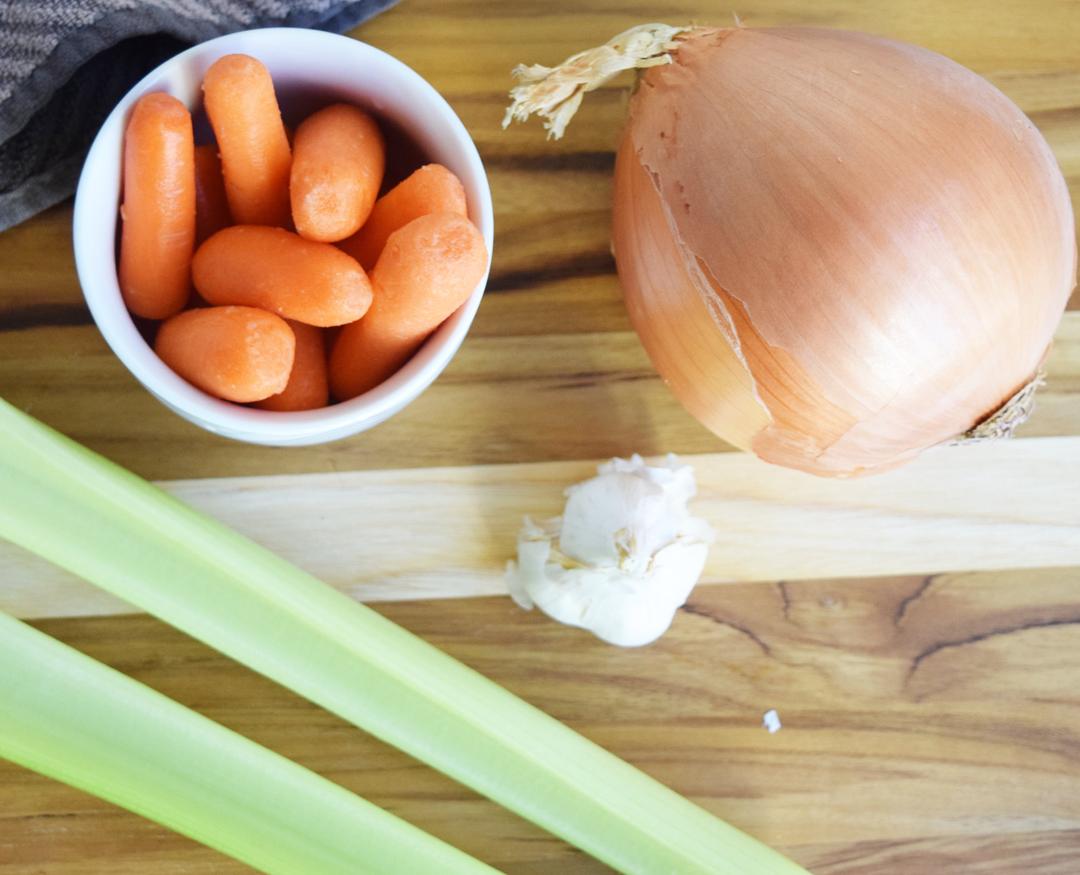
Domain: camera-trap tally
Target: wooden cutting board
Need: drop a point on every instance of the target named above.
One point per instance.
(918, 632)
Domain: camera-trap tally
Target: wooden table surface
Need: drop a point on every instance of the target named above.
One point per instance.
(931, 717)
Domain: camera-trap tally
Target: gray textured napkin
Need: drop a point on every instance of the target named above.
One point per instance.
(65, 63)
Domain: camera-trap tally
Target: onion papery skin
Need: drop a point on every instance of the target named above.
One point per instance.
(837, 249)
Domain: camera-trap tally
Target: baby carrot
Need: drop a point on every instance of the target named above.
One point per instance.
(272, 268)
(338, 163)
(158, 211)
(247, 124)
(426, 271)
(431, 189)
(307, 387)
(211, 207)
(240, 354)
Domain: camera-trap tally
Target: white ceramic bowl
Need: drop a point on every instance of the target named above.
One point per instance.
(310, 68)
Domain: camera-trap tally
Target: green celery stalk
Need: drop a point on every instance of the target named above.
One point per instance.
(103, 523)
(70, 717)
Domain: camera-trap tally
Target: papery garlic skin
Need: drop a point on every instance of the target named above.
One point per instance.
(622, 558)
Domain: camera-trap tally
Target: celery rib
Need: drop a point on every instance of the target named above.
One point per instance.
(102, 523)
(71, 718)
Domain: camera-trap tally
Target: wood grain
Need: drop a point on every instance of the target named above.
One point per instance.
(930, 721)
(553, 300)
(929, 725)
(558, 396)
(941, 513)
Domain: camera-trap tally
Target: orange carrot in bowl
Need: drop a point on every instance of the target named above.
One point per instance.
(307, 387)
(431, 189)
(158, 211)
(247, 124)
(211, 206)
(240, 354)
(338, 163)
(257, 266)
(425, 272)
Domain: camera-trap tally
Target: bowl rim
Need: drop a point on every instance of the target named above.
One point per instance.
(102, 293)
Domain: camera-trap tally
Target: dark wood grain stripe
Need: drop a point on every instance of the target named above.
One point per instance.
(578, 266)
(1059, 114)
(551, 161)
(44, 316)
(597, 378)
(699, 610)
(1049, 851)
(905, 603)
(939, 646)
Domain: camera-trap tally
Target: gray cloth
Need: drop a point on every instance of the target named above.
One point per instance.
(64, 64)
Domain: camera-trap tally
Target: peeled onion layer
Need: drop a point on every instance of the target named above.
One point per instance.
(837, 249)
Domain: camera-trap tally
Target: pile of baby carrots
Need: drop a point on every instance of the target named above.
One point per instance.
(279, 276)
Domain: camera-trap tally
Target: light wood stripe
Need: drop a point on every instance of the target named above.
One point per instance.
(437, 533)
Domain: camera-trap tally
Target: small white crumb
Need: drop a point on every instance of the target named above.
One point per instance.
(771, 721)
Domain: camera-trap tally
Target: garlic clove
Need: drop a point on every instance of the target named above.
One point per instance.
(615, 519)
(623, 557)
(626, 513)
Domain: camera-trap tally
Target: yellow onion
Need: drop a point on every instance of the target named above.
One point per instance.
(837, 249)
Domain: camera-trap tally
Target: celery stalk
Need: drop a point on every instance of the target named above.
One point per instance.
(85, 514)
(70, 717)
